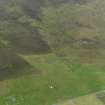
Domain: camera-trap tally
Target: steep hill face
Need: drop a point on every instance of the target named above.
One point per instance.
(15, 28)
(71, 28)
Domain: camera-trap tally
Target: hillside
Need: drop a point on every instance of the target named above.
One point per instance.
(52, 51)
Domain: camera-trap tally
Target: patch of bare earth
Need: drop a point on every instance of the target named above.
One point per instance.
(91, 99)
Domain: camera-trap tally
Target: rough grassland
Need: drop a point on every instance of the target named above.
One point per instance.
(64, 70)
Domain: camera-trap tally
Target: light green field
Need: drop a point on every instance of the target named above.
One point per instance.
(54, 82)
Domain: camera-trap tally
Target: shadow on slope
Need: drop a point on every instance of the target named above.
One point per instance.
(13, 66)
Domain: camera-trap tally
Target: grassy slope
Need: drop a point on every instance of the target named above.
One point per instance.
(66, 28)
(35, 89)
(68, 78)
